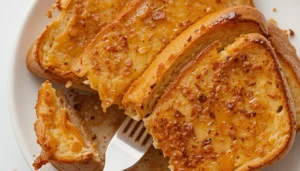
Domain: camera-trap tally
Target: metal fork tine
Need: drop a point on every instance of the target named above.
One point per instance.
(149, 142)
(132, 126)
(124, 148)
(138, 131)
(143, 136)
(124, 124)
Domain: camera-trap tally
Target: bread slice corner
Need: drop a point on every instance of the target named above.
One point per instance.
(66, 142)
(228, 110)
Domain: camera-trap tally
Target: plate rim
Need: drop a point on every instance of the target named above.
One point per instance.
(11, 83)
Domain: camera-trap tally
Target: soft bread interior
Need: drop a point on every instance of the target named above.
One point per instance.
(60, 132)
(228, 110)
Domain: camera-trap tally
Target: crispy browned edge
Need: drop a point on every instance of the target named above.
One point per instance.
(44, 158)
(32, 58)
(245, 14)
(285, 51)
(288, 102)
(63, 4)
(34, 66)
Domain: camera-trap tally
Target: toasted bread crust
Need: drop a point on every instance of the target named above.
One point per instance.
(62, 41)
(51, 105)
(140, 99)
(62, 4)
(122, 51)
(34, 66)
(162, 140)
(289, 62)
(35, 56)
(289, 102)
(40, 161)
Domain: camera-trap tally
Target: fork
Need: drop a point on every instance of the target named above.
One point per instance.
(128, 146)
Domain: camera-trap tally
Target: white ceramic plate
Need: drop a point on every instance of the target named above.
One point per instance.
(23, 85)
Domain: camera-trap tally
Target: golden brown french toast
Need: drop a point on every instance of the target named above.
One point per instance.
(124, 49)
(225, 25)
(289, 62)
(228, 110)
(54, 51)
(66, 142)
(105, 125)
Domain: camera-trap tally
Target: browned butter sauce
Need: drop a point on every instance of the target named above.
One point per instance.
(227, 162)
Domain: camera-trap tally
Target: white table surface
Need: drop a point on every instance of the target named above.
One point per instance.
(11, 14)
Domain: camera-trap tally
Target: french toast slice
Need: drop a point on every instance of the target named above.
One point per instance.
(124, 49)
(53, 52)
(289, 62)
(224, 25)
(66, 142)
(228, 110)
